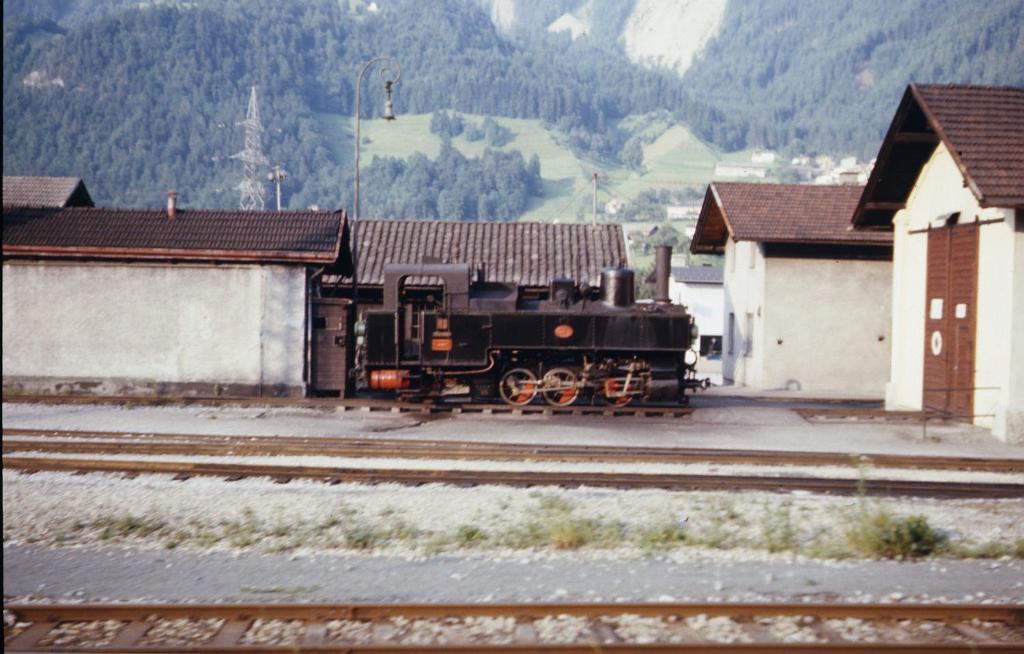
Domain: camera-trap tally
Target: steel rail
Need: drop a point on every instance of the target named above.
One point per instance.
(966, 627)
(368, 405)
(677, 482)
(118, 442)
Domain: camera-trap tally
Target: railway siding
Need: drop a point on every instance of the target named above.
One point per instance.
(518, 627)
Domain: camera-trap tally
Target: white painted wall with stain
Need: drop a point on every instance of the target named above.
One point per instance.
(142, 327)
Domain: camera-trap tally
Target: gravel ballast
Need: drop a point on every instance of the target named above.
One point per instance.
(258, 515)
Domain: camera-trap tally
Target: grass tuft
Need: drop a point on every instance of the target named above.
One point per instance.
(881, 534)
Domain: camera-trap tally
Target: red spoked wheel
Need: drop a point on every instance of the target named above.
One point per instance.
(615, 393)
(560, 388)
(518, 387)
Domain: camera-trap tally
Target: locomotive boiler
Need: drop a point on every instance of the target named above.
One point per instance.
(485, 340)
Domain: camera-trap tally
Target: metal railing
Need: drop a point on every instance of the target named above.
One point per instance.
(935, 413)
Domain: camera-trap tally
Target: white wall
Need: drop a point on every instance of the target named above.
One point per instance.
(744, 285)
(826, 325)
(119, 327)
(1009, 419)
(999, 351)
(706, 302)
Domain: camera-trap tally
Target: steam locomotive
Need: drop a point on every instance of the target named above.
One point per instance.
(483, 340)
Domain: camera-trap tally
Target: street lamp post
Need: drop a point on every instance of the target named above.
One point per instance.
(276, 176)
(389, 66)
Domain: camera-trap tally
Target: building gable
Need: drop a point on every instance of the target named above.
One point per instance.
(981, 127)
(779, 213)
(53, 192)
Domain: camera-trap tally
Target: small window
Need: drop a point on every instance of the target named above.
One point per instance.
(752, 248)
(711, 347)
(731, 254)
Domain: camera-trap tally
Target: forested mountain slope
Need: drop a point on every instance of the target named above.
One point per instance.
(138, 98)
(146, 98)
(826, 76)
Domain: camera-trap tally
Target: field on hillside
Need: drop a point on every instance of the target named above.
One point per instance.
(673, 159)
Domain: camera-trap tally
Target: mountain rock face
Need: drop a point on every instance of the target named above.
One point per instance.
(671, 33)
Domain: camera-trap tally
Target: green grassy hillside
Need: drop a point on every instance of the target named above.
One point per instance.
(674, 159)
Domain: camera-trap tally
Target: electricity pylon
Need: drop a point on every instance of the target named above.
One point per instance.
(252, 189)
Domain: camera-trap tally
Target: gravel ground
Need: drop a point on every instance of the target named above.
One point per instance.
(257, 514)
(128, 574)
(102, 537)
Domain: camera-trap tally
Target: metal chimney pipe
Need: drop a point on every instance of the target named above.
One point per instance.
(662, 269)
(172, 204)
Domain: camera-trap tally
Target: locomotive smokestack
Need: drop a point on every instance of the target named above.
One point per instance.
(662, 269)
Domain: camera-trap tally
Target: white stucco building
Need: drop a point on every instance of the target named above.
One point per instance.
(700, 289)
(806, 299)
(949, 186)
(153, 302)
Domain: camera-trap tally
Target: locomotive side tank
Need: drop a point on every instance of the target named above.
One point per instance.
(483, 340)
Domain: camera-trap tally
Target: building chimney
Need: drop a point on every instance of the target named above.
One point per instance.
(662, 270)
(172, 204)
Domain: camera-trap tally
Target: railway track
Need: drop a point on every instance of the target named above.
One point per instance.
(183, 470)
(121, 442)
(370, 405)
(523, 628)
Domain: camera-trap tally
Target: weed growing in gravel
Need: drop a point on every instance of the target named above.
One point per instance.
(525, 535)
(553, 504)
(660, 537)
(716, 531)
(244, 532)
(363, 537)
(988, 550)
(570, 533)
(127, 526)
(876, 532)
(470, 536)
(777, 531)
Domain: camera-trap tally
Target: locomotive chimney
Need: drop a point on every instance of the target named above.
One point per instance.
(662, 269)
(172, 204)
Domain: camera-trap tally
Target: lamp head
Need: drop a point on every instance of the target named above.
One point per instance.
(389, 108)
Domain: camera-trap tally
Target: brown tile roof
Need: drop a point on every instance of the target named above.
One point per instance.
(265, 236)
(527, 254)
(45, 192)
(781, 213)
(981, 126)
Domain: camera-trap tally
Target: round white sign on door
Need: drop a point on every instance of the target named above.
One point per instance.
(936, 343)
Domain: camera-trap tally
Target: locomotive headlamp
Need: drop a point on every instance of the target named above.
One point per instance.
(690, 357)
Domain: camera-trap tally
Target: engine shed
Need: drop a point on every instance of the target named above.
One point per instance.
(176, 302)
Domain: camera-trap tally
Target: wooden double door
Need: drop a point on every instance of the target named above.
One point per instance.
(950, 319)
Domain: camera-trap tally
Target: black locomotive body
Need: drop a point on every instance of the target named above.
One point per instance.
(483, 340)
